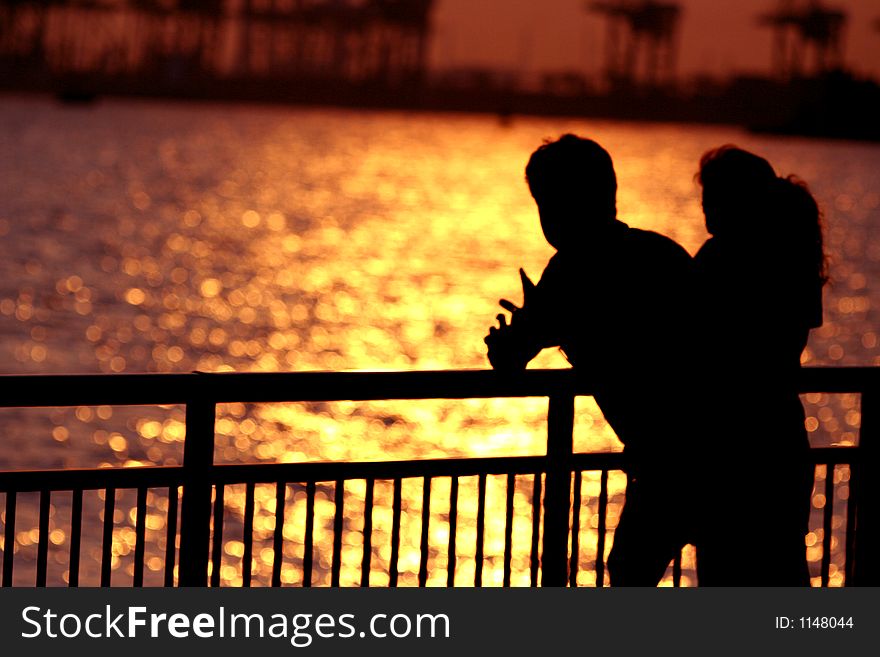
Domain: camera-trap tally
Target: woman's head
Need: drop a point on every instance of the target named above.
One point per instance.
(745, 202)
(737, 187)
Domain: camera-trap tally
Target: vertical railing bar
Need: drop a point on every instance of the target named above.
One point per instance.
(851, 507)
(600, 542)
(426, 520)
(247, 558)
(9, 538)
(107, 544)
(308, 542)
(676, 570)
(366, 562)
(171, 535)
(867, 567)
(535, 559)
(43, 540)
(395, 532)
(217, 539)
(278, 537)
(575, 531)
(481, 527)
(453, 528)
(140, 537)
(827, 513)
(76, 507)
(338, 517)
(508, 528)
(198, 463)
(557, 498)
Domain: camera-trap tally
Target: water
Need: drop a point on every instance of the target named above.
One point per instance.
(143, 237)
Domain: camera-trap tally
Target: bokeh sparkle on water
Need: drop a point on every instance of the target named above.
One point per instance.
(142, 237)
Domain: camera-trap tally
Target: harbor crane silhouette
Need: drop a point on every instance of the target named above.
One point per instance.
(801, 28)
(641, 43)
(370, 42)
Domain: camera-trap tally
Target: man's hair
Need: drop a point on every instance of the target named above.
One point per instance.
(576, 172)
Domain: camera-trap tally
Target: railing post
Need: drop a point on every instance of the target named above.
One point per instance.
(557, 495)
(195, 516)
(867, 541)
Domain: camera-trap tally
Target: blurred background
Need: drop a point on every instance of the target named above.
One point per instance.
(795, 65)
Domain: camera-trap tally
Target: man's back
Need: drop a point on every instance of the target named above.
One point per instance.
(618, 310)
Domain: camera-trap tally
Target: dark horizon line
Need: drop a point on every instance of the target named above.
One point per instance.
(836, 106)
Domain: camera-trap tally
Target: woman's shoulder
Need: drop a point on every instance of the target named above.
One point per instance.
(718, 255)
(710, 249)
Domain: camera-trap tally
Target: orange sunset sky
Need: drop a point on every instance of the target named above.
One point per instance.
(717, 36)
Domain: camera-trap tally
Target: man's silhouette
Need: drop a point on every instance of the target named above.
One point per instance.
(613, 299)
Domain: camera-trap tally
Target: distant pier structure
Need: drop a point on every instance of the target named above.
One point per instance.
(111, 37)
(641, 42)
(381, 42)
(802, 29)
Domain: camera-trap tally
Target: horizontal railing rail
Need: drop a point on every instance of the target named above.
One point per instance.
(46, 390)
(556, 476)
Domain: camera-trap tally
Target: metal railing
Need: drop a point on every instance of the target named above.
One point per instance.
(555, 477)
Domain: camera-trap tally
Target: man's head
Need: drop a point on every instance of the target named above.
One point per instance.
(572, 180)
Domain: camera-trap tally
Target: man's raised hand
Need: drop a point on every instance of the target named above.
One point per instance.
(528, 293)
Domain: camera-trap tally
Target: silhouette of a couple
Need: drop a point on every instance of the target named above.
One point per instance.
(693, 360)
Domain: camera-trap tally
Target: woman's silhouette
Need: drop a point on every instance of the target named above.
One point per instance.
(760, 279)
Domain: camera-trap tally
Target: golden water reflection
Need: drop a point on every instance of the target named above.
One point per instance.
(172, 239)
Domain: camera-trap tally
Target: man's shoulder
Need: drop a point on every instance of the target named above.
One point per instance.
(656, 245)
